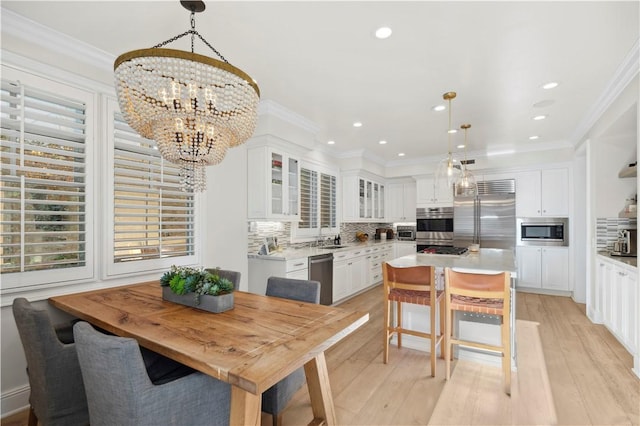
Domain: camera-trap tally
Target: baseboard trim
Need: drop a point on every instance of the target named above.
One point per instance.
(14, 401)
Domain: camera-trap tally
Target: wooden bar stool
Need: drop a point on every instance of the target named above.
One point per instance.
(416, 285)
(484, 293)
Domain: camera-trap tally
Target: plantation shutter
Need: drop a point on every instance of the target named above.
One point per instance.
(308, 199)
(43, 180)
(153, 218)
(327, 201)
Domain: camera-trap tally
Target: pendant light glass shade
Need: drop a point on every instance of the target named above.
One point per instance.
(194, 107)
(465, 185)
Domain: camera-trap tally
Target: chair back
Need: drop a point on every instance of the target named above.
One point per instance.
(481, 285)
(113, 372)
(57, 389)
(233, 276)
(417, 278)
(294, 289)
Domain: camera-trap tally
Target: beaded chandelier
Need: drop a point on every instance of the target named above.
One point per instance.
(193, 106)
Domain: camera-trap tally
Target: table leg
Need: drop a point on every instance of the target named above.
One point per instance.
(320, 391)
(245, 407)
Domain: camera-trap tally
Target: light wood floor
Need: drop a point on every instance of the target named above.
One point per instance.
(588, 372)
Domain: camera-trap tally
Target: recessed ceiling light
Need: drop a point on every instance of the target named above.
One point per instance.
(357, 124)
(550, 85)
(439, 108)
(533, 138)
(331, 142)
(539, 117)
(383, 32)
(382, 142)
(401, 154)
(452, 131)
(460, 146)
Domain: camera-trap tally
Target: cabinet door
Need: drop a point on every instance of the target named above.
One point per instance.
(410, 197)
(554, 192)
(358, 273)
(395, 202)
(607, 299)
(529, 261)
(278, 183)
(596, 299)
(300, 274)
(293, 187)
(631, 318)
(425, 190)
(341, 280)
(555, 268)
(528, 194)
(443, 192)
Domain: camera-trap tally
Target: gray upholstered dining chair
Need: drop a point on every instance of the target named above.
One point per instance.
(57, 395)
(119, 391)
(232, 276)
(276, 398)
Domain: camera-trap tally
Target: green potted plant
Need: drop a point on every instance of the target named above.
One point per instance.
(197, 288)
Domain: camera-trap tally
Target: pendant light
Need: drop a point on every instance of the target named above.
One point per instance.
(193, 106)
(465, 184)
(448, 168)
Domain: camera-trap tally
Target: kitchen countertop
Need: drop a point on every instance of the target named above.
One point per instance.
(628, 261)
(289, 254)
(484, 260)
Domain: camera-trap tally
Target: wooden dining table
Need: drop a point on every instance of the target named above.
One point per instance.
(252, 346)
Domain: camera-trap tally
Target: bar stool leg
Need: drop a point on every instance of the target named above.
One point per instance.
(387, 328)
(447, 338)
(399, 324)
(433, 335)
(506, 348)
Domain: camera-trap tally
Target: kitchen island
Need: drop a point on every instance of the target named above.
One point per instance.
(480, 327)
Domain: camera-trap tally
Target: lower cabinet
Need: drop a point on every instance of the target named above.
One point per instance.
(615, 300)
(404, 248)
(543, 268)
(260, 269)
(348, 276)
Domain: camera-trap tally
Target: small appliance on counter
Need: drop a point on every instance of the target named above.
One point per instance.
(384, 234)
(406, 233)
(626, 244)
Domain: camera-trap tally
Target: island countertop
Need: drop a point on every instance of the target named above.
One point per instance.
(484, 260)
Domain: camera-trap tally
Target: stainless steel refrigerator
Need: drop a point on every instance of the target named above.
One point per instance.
(488, 218)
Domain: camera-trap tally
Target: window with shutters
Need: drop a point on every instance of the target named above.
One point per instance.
(153, 219)
(317, 204)
(45, 234)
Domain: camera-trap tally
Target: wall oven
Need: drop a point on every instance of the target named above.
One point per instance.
(542, 231)
(434, 226)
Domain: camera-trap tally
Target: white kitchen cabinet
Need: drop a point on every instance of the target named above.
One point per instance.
(401, 202)
(434, 192)
(349, 274)
(404, 248)
(363, 199)
(261, 268)
(378, 255)
(615, 301)
(543, 268)
(542, 193)
(273, 182)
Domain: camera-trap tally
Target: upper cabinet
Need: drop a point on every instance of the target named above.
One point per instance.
(434, 192)
(401, 202)
(363, 199)
(542, 193)
(273, 184)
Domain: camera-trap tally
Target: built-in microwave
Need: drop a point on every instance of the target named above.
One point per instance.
(542, 231)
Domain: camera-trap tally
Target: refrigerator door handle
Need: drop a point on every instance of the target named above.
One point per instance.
(478, 216)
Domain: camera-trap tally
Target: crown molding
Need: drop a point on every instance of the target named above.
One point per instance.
(269, 107)
(14, 25)
(625, 73)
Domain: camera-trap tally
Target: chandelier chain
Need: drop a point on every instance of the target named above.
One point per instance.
(193, 33)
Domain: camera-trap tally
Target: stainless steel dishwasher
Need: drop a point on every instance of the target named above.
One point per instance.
(321, 269)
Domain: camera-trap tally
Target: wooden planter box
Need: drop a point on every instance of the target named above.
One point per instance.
(215, 304)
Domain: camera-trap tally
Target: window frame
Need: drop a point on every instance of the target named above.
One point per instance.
(30, 280)
(312, 234)
(114, 269)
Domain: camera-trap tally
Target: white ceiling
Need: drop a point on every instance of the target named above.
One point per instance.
(321, 60)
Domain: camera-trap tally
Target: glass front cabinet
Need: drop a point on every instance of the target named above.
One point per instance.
(273, 185)
(362, 199)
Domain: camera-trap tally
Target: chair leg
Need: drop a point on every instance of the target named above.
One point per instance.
(276, 419)
(33, 420)
(447, 340)
(442, 321)
(399, 324)
(387, 318)
(506, 348)
(433, 336)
